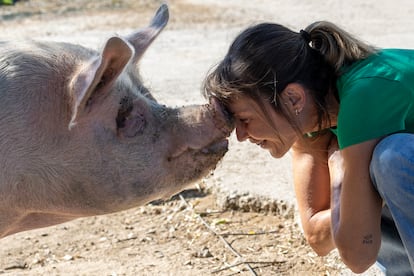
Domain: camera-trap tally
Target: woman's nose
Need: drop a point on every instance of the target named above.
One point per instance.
(241, 132)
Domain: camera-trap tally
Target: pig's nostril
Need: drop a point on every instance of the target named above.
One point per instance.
(216, 147)
(178, 152)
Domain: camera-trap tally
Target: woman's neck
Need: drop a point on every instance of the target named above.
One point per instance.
(333, 109)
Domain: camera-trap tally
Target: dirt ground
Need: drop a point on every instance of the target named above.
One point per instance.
(184, 236)
(190, 234)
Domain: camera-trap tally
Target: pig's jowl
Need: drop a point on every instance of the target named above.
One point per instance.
(80, 134)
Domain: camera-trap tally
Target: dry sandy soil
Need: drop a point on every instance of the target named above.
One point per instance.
(171, 238)
(191, 234)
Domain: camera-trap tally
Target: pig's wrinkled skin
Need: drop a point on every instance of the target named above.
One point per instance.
(80, 135)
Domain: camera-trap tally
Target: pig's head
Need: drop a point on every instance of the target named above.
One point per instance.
(130, 149)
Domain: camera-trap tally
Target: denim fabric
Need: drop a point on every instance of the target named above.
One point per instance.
(392, 258)
(392, 173)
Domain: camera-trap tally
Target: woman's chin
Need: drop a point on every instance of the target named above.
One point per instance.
(276, 153)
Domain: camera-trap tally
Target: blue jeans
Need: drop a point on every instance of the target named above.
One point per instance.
(392, 173)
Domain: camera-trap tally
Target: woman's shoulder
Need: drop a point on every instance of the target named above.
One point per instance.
(390, 64)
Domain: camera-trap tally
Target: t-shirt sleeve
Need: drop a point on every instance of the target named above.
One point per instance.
(371, 108)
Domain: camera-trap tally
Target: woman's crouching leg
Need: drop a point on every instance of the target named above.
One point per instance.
(392, 173)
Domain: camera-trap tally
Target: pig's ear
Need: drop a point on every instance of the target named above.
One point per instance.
(96, 78)
(144, 37)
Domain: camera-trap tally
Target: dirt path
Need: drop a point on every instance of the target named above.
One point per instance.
(166, 239)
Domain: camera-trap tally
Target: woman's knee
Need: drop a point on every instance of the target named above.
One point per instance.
(393, 154)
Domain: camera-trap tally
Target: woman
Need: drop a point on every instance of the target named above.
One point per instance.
(346, 110)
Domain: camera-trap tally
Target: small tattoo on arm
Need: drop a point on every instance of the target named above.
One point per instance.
(367, 239)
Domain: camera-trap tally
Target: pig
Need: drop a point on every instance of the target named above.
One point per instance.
(82, 136)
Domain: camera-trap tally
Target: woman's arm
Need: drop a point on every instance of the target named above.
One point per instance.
(356, 224)
(312, 188)
(336, 172)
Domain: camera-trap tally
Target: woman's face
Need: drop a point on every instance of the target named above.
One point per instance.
(251, 124)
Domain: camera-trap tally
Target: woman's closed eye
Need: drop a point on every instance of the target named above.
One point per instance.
(244, 121)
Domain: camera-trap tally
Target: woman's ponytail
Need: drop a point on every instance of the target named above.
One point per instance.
(337, 46)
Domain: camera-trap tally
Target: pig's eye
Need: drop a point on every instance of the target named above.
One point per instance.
(125, 109)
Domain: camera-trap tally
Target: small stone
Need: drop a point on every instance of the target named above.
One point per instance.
(203, 253)
(68, 258)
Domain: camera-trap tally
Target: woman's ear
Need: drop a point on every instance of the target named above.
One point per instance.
(294, 97)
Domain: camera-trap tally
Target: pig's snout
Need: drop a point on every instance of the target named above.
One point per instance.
(221, 116)
(205, 130)
(216, 148)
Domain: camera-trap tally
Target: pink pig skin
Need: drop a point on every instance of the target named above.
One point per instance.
(80, 135)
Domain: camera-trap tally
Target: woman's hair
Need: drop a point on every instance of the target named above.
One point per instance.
(265, 58)
(337, 46)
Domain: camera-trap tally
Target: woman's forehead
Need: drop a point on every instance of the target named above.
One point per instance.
(244, 105)
(241, 103)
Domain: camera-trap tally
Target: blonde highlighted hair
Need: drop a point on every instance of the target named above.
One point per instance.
(337, 46)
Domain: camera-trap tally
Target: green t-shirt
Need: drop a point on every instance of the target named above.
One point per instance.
(376, 97)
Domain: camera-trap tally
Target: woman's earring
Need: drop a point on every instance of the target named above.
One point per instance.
(296, 112)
